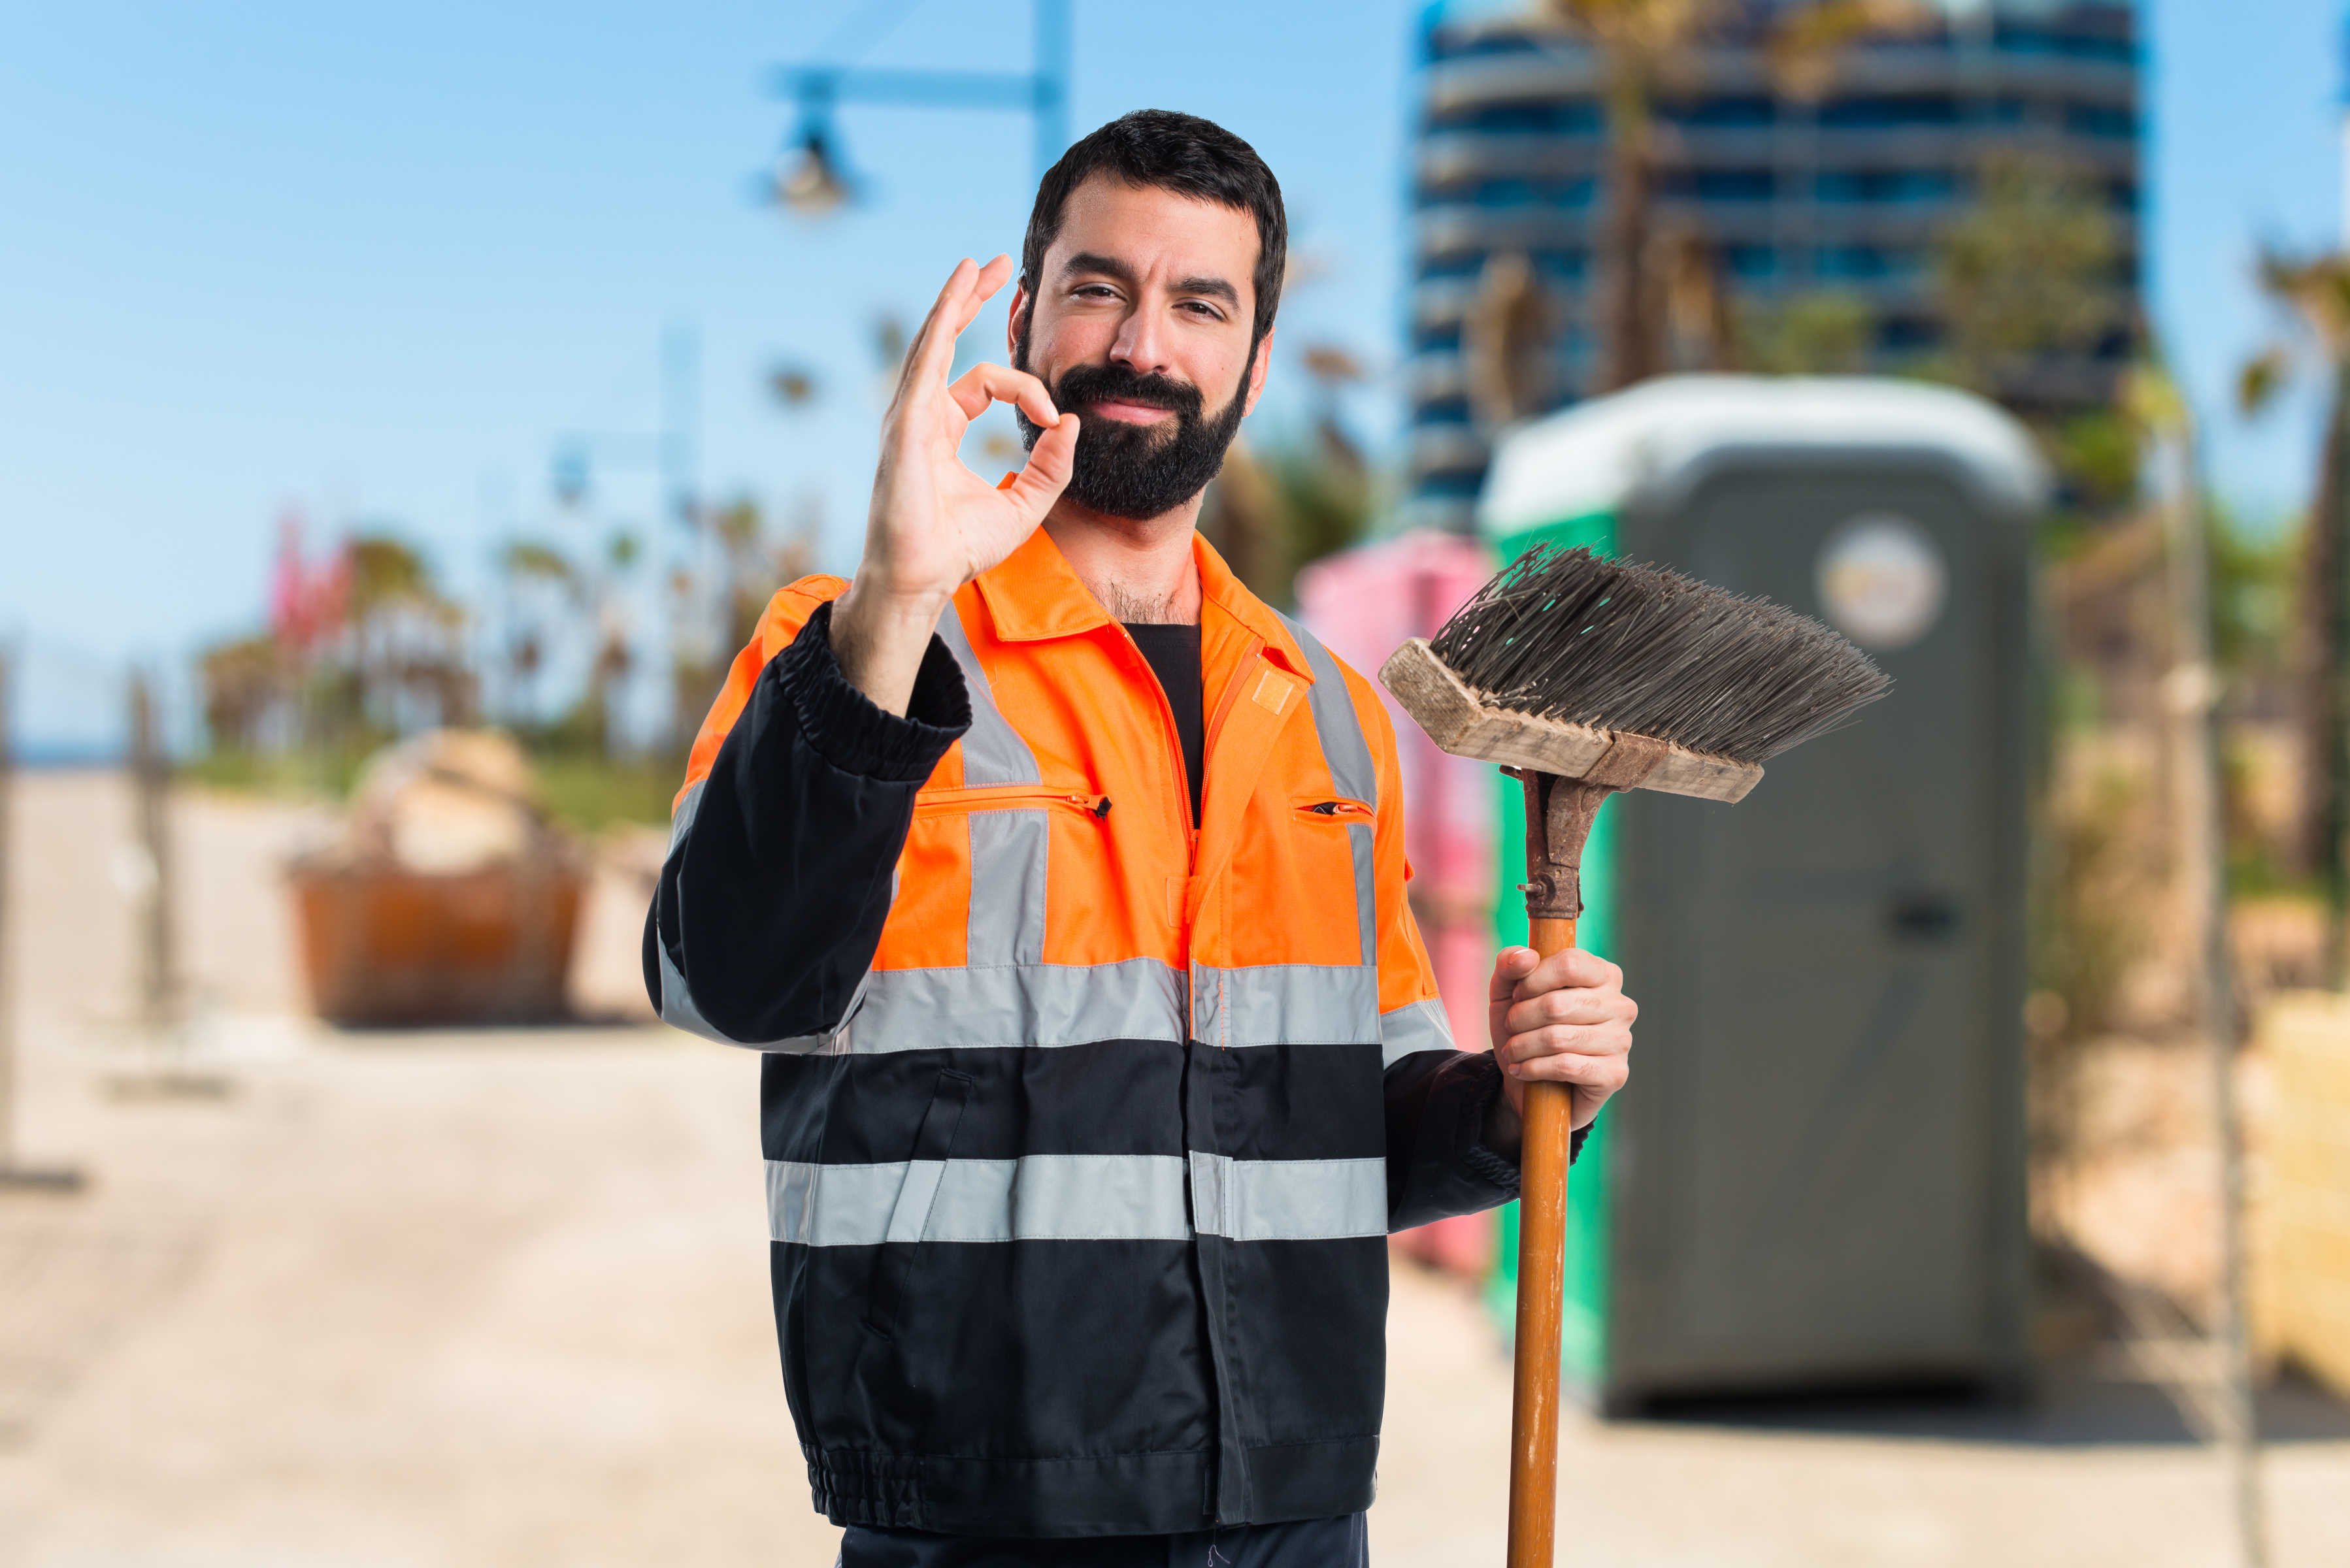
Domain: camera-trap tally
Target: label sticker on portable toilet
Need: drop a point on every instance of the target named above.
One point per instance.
(1881, 580)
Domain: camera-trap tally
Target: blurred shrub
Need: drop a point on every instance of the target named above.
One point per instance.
(1828, 333)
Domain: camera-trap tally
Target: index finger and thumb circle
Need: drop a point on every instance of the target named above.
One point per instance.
(968, 287)
(983, 384)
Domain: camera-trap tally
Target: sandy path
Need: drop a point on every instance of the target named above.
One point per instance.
(458, 1300)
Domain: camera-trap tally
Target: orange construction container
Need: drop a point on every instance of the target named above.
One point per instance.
(384, 945)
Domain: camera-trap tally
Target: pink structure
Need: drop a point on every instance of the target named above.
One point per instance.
(1364, 603)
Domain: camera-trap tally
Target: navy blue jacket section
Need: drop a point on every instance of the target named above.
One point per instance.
(1176, 1371)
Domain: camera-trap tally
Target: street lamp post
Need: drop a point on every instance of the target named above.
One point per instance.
(673, 452)
(812, 182)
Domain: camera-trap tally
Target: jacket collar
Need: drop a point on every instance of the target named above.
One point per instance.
(1032, 594)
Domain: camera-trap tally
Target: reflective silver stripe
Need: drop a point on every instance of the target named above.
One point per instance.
(1289, 1200)
(681, 820)
(917, 1186)
(1007, 888)
(993, 751)
(1347, 752)
(1075, 1198)
(679, 1012)
(1414, 1026)
(1023, 1004)
(1344, 746)
(1367, 891)
(677, 1005)
(1285, 1004)
(1040, 1197)
(677, 1008)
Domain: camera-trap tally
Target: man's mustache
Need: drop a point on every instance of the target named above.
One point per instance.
(1084, 384)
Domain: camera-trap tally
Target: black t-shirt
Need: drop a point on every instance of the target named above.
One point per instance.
(1174, 655)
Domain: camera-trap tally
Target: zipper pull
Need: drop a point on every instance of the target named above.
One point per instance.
(1100, 809)
(1326, 808)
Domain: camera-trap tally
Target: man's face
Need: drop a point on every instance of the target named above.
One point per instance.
(1140, 326)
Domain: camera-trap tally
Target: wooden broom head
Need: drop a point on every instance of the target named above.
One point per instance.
(1573, 664)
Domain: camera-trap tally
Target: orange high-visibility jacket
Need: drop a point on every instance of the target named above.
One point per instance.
(1084, 1128)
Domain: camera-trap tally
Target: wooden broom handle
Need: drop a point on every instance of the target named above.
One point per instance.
(1542, 1277)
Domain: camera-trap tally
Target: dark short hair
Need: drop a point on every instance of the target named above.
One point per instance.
(1179, 152)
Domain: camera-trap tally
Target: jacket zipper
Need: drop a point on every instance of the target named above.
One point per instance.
(1334, 810)
(1009, 797)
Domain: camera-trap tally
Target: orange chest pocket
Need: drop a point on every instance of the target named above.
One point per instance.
(1294, 892)
(931, 919)
(1339, 812)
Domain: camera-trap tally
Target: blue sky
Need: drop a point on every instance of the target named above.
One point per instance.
(371, 262)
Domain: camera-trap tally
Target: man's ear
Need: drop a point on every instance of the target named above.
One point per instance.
(1020, 303)
(1259, 365)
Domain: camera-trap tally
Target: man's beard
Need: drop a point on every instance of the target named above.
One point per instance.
(1136, 471)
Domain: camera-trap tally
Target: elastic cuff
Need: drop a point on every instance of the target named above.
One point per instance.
(843, 725)
(1491, 1167)
(1482, 1161)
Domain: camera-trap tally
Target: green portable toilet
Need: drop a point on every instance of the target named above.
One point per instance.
(1816, 1177)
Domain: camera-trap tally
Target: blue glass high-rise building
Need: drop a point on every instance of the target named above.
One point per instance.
(1842, 192)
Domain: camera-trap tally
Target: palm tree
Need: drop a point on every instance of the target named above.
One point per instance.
(2315, 290)
(1641, 43)
(1645, 47)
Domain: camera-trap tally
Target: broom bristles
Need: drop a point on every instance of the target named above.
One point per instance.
(1568, 635)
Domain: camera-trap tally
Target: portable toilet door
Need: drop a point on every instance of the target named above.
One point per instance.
(1815, 1177)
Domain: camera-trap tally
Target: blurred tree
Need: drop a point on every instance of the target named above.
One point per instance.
(1505, 343)
(755, 566)
(2255, 575)
(244, 683)
(794, 386)
(1824, 333)
(750, 565)
(1646, 49)
(2026, 273)
(1809, 43)
(2256, 583)
(543, 592)
(1269, 513)
(377, 650)
(2024, 277)
(1640, 44)
(408, 660)
(2099, 455)
(2314, 292)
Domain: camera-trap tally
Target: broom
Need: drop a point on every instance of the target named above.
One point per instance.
(1584, 676)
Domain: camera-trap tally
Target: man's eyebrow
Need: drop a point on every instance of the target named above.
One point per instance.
(1110, 266)
(1213, 287)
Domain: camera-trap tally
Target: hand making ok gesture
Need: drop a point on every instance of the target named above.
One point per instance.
(934, 523)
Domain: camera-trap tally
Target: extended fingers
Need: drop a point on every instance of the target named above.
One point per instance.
(923, 350)
(983, 384)
(968, 287)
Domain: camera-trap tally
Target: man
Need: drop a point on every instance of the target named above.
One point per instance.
(1062, 882)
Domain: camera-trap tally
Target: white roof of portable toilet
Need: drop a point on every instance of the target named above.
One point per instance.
(1663, 435)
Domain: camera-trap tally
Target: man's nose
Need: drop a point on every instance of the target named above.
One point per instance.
(1140, 344)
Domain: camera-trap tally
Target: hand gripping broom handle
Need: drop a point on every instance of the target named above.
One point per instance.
(1559, 813)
